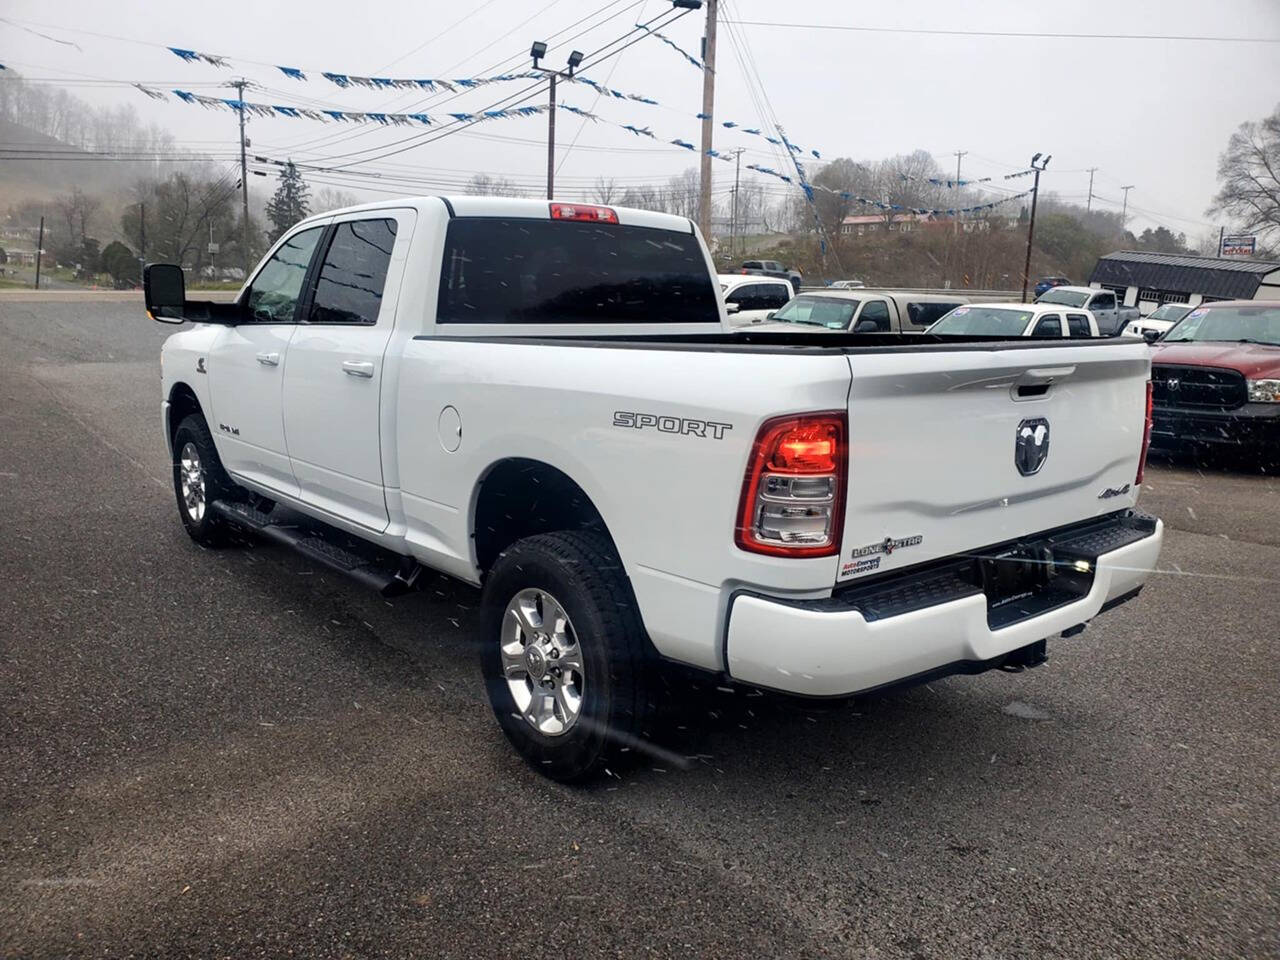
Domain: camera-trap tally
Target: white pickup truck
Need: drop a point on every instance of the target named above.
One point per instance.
(543, 400)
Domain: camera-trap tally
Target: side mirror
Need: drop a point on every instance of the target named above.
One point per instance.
(866, 326)
(770, 315)
(1151, 336)
(165, 291)
(732, 307)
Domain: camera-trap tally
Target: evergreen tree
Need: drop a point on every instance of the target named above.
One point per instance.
(290, 203)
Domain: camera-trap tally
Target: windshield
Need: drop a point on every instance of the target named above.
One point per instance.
(1170, 311)
(1229, 324)
(983, 322)
(818, 312)
(1069, 298)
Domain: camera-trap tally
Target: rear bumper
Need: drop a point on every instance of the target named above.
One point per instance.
(1253, 423)
(841, 646)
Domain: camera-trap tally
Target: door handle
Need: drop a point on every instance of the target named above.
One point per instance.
(269, 359)
(358, 368)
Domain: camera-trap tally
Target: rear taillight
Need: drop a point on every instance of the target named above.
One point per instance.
(1146, 440)
(583, 211)
(793, 491)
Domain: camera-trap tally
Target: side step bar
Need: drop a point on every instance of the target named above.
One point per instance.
(388, 573)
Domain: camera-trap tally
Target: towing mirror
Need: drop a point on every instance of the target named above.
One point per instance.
(165, 291)
(1151, 336)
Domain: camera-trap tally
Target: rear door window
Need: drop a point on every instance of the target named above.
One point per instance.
(924, 314)
(509, 270)
(1078, 325)
(354, 271)
(774, 295)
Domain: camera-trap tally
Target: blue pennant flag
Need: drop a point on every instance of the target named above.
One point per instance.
(293, 73)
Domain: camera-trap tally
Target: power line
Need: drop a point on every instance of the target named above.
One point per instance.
(1018, 34)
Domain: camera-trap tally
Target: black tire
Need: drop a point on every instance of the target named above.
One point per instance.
(583, 573)
(207, 529)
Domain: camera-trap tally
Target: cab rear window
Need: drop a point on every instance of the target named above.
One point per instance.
(509, 270)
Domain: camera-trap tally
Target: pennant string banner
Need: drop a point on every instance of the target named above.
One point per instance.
(881, 205)
(673, 45)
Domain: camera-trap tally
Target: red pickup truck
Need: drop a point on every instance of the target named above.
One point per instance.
(1215, 379)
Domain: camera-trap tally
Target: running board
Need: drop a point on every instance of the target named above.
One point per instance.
(388, 573)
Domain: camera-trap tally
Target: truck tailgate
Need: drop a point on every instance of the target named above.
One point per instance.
(951, 451)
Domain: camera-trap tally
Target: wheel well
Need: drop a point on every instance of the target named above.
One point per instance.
(520, 498)
(182, 403)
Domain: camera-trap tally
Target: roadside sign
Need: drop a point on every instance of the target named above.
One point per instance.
(1239, 245)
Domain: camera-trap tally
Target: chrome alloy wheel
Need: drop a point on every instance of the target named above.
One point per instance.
(542, 662)
(191, 476)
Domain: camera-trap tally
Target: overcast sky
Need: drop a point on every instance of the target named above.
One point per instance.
(1152, 113)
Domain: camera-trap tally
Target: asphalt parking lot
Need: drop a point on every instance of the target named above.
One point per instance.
(237, 754)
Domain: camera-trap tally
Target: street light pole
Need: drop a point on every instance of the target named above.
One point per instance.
(537, 52)
(1037, 165)
(551, 141)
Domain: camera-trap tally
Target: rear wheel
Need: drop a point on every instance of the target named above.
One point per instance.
(564, 655)
(198, 480)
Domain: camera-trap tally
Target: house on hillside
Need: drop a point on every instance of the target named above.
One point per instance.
(1146, 280)
(862, 224)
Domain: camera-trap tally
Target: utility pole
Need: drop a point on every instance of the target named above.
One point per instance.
(1089, 206)
(244, 179)
(1124, 211)
(1031, 228)
(956, 219)
(733, 223)
(142, 233)
(40, 250)
(1222, 232)
(708, 109)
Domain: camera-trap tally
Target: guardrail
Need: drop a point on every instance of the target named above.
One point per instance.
(972, 295)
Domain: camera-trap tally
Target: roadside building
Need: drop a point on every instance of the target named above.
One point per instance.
(1146, 280)
(858, 225)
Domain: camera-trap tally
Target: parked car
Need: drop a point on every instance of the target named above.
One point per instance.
(540, 399)
(750, 299)
(773, 268)
(1016, 320)
(861, 311)
(1103, 304)
(1158, 322)
(1045, 284)
(1215, 379)
(846, 285)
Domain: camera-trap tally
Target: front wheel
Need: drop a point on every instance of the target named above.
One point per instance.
(198, 480)
(564, 654)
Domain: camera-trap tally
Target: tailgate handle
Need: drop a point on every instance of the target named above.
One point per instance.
(1046, 374)
(1037, 381)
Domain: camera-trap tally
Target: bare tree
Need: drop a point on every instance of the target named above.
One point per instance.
(328, 199)
(1249, 174)
(605, 190)
(483, 185)
(77, 209)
